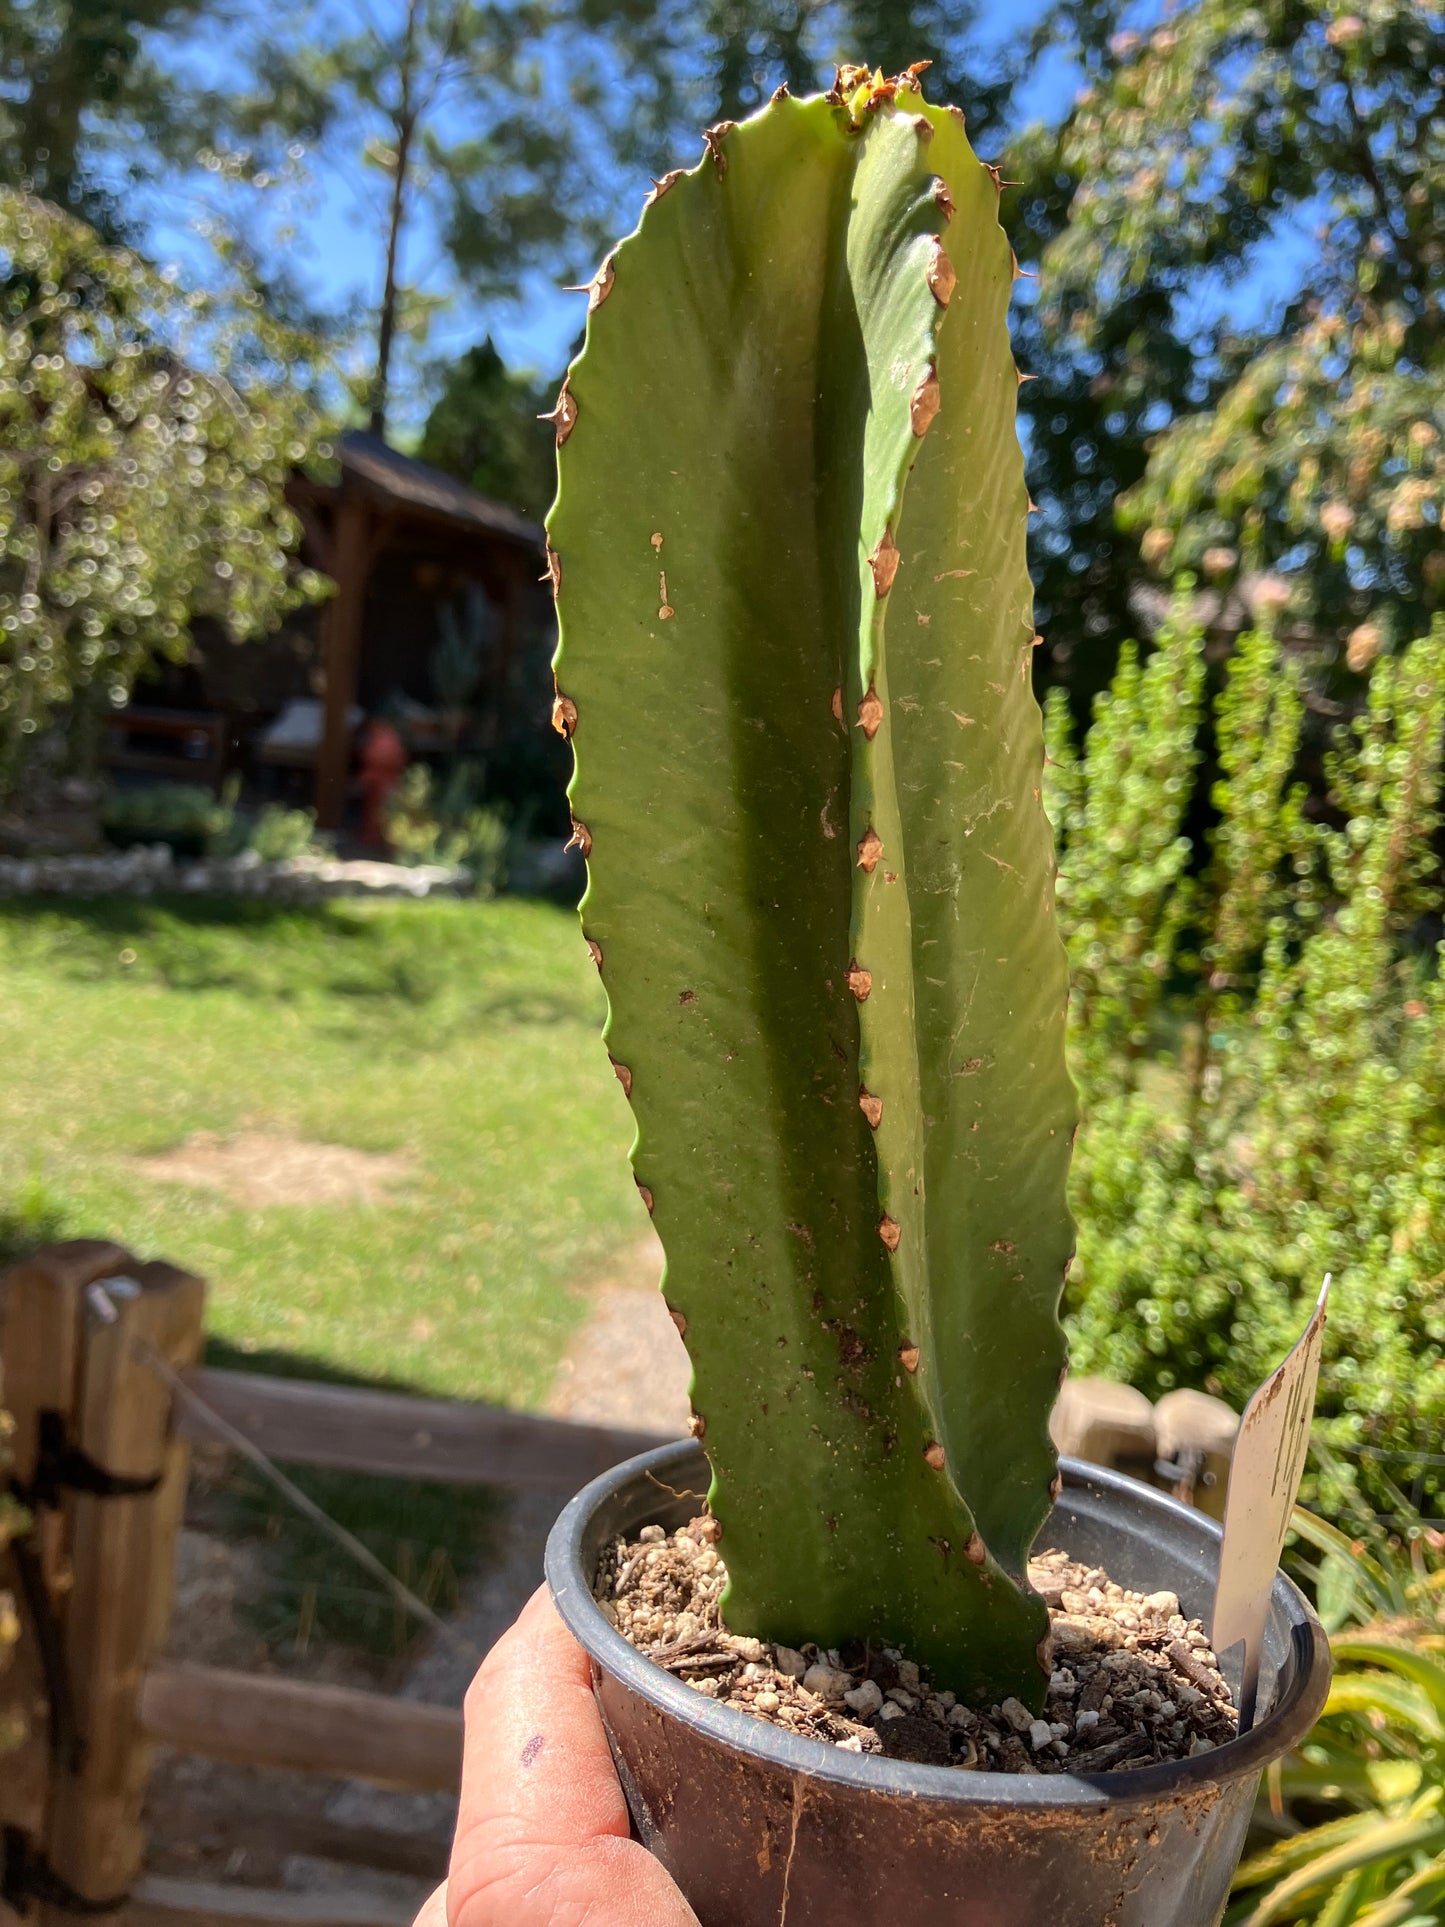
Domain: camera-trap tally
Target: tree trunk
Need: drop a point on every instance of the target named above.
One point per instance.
(405, 134)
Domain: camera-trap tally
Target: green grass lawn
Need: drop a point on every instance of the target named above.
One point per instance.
(462, 1036)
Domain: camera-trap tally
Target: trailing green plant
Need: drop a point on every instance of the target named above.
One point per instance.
(796, 638)
(1359, 1810)
(1259, 1036)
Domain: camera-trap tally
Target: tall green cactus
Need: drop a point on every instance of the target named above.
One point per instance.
(796, 633)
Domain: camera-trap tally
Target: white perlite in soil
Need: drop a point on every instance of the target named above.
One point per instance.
(1134, 1682)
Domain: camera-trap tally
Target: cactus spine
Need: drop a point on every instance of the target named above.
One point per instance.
(796, 629)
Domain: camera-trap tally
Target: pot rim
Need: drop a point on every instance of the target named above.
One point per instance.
(1282, 1727)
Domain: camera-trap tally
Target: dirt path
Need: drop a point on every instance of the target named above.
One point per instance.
(627, 1365)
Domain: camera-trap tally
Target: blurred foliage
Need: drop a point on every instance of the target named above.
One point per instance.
(276, 834)
(1360, 1808)
(188, 813)
(87, 100)
(1294, 149)
(14, 1521)
(146, 434)
(1259, 1037)
(441, 117)
(484, 428)
(431, 822)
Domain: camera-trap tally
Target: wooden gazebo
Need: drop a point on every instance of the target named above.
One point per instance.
(388, 510)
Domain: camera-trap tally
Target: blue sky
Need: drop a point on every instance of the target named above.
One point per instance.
(327, 221)
(332, 223)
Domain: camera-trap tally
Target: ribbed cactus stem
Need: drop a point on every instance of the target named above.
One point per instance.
(788, 551)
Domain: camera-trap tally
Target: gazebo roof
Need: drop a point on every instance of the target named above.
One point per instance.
(381, 474)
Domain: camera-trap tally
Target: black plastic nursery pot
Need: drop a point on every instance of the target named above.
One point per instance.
(761, 1828)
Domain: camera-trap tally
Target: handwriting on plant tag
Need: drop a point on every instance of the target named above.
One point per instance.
(1269, 1457)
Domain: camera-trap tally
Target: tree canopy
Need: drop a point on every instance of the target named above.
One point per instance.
(1237, 329)
(146, 433)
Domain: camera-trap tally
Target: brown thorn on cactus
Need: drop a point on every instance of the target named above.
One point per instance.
(870, 714)
(1021, 274)
(837, 705)
(942, 275)
(908, 1356)
(564, 715)
(779, 93)
(922, 409)
(697, 1425)
(890, 876)
(957, 113)
(934, 1454)
(665, 611)
(910, 74)
(870, 1106)
(595, 951)
(563, 415)
(884, 559)
(975, 1551)
(1033, 506)
(679, 1319)
(580, 839)
(659, 188)
(1044, 1653)
(890, 1231)
(943, 200)
(623, 1075)
(686, 997)
(860, 981)
(644, 1194)
(1022, 377)
(1056, 1486)
(870, 848)
(554, 571)
(1038, 641)
(656, 540)
(923, 127)
(713, 140)
(600, 285)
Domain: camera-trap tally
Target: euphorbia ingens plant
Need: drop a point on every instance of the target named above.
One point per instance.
(788, 551)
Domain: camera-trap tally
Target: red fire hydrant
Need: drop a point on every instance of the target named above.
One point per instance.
(383, 759)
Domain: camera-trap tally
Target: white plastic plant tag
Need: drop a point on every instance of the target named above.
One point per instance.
(1269, 1457)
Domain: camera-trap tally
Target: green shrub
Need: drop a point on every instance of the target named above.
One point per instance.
(275, 834)
(1259, 1036)
(431, 823)
(186, 813)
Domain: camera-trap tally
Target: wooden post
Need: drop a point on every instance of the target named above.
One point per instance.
(122, 1558)
(40, 1325)
(342, 657)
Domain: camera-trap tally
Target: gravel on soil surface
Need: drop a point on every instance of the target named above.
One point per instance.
(1134, 1681)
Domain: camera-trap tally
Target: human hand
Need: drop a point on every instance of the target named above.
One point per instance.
(542, 1831)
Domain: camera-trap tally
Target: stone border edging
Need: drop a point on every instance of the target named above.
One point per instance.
(152, 870)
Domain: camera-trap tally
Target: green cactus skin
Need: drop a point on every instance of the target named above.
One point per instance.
(820, 878)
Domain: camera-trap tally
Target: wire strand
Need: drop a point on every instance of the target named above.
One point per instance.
(304, 1504)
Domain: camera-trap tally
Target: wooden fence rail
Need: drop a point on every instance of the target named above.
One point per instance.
(98, 1365)
(292, 1725)
(396, 1436)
